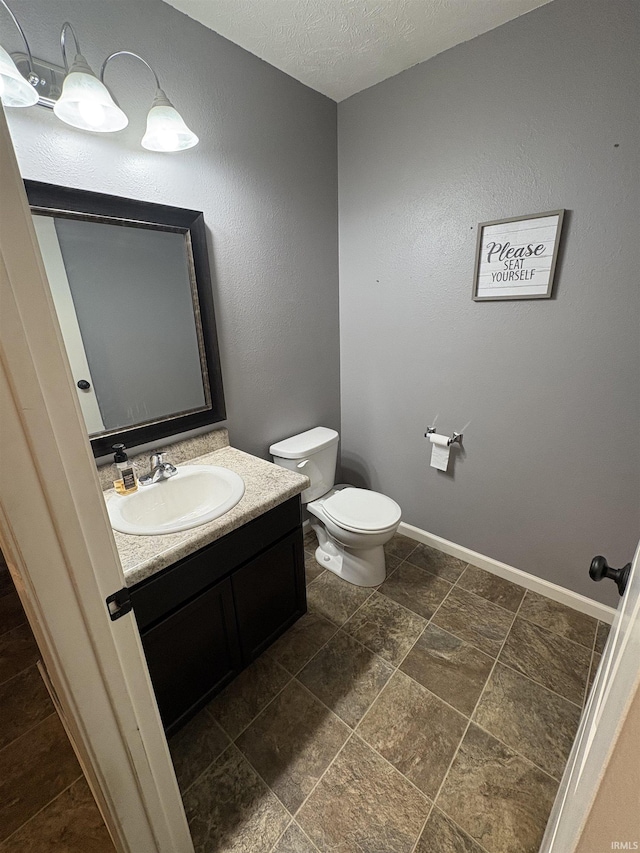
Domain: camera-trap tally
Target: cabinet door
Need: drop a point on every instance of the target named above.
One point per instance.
(269, 594)
(192, 654)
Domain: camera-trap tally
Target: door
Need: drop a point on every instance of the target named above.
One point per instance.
(611, 696)
(269, 594)
(68, 319)
(192, 654)
(55, 535)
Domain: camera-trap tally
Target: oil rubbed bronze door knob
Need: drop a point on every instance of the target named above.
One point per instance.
(601, 569)
(83, 385)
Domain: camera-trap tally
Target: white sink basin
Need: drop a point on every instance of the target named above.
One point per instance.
(195, 495)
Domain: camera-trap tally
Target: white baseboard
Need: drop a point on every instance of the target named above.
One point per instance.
(551, 590)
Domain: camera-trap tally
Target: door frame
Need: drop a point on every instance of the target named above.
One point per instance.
(59, 547)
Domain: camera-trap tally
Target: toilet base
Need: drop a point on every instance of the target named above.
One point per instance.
(361, 567)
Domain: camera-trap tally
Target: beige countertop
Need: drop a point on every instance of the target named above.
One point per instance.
(266, 486)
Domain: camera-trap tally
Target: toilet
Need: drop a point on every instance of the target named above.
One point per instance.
(352, 525)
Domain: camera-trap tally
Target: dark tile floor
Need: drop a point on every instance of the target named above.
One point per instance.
(45, 802)
(434, 714)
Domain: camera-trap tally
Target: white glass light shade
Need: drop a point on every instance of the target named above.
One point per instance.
(166, 130)
(15, 91)
(85, 102)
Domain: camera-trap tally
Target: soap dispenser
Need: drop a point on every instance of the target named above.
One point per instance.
(125, 481)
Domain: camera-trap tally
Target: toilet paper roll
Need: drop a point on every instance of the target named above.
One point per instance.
(439, 451)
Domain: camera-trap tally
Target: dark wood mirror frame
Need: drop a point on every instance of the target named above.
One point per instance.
(48, 199)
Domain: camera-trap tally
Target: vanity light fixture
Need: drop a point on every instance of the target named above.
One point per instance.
(15, 90)
(85, 102)
(166, 129)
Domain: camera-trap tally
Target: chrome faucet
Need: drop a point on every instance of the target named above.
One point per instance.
(159, 470)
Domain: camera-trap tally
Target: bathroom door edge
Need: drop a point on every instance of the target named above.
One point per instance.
(55, 536)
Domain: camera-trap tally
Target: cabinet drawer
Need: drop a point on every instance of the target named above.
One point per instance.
(269, 594)
(153, 598)
(193, 653)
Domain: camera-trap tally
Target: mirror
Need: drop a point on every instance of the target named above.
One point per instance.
(131, 286)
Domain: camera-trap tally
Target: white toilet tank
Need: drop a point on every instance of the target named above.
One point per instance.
(312, 453)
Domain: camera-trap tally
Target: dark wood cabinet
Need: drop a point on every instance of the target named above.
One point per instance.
(267, 595)
(194, 652)
(208, 616)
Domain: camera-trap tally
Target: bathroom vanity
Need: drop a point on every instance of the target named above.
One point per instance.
(209, 600)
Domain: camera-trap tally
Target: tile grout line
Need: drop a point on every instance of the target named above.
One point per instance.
(259, 776)
(33, 665)
(373, 589)
(329, 766)
(517, 752)
(555, 634)
(393, 767)
(280, 837)
(3, 633)
(539, 683)
(463, 831)
(455, 755)
(269, 788)
(30, 729)
(422, 828)
(35, 814)
(376, 589)
(506, 609)
(396, 667)
(353, 734)
(265, 783)
(232, 740)
(429, 622)
(421, 686)
(317, 652)
(293, 822)
(290, 678)
(347, 739)
(496, 660)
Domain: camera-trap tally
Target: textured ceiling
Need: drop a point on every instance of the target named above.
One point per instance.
(340, 47)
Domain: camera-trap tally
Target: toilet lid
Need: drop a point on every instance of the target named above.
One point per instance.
(362, 510)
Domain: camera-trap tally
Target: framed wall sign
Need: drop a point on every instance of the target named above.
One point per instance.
(516, 257)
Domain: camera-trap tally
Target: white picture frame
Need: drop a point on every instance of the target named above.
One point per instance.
(516, 257)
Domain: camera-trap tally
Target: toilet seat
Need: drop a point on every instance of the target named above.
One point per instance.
(361, 510)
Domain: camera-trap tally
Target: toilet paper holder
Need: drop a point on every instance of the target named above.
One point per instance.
(456, 438)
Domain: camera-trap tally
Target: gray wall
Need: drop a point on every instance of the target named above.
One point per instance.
(536, 115)
(264, 174)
